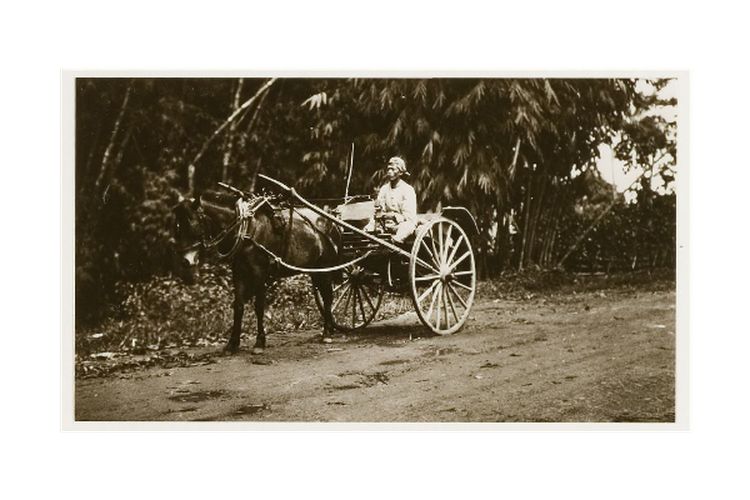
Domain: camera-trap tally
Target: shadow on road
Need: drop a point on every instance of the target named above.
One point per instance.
(387, 334)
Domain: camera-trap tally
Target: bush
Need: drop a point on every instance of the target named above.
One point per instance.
(534, 282)
(634, 236)
(164, 312)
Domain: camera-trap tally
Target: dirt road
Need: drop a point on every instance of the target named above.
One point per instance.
(594, 357)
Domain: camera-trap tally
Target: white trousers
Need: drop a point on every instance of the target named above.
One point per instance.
(401, 231)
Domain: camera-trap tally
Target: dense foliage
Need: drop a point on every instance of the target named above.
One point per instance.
(519, 153)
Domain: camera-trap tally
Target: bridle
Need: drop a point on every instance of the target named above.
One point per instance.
(244, 213)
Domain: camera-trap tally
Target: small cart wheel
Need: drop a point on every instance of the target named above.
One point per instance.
(357, 296)
(442, 275)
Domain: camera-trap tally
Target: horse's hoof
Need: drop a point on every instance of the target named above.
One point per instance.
(257, 350)
(230, 349)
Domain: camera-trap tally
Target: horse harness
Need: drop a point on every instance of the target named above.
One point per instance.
(244, 212)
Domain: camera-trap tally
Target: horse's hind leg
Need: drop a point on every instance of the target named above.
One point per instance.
(325, 286)
(239, 308)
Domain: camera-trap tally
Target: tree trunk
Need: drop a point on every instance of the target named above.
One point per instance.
(555, 232)
(537, 213)
(106, 163)
(482, 268)
(526, 216)
(549, 231)
(502, 241)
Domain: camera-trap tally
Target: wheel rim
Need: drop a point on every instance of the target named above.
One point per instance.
(442, 273)
(356, 299)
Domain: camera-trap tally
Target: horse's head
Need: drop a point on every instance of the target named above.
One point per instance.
(189, 237)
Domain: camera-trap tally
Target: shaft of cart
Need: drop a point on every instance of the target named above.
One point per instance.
(336, 220)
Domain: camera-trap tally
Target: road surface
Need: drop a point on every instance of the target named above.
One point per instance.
(591, 357)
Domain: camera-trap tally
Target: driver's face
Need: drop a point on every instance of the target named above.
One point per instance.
(392, 172)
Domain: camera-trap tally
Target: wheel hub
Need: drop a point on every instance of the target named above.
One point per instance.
(445, 273)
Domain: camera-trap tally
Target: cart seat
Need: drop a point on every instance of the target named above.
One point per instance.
(357, 214)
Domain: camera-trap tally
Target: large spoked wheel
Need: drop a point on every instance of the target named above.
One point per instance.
(442, 275)
(357, 296)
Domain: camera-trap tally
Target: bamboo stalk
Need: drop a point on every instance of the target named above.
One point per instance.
(228, 121)
(86, 172)
(104, 172)
(526, 209)
(536, 215)
(253, 176)
(229, 142)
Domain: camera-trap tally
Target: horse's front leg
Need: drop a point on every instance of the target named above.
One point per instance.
(325, 287)
(260, 306)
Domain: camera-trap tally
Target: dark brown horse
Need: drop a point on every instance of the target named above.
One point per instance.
(249, 243)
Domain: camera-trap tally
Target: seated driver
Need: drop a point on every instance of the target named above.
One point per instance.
(396, 205)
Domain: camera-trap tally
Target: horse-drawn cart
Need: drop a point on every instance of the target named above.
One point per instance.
(267, 236)
(435, 265)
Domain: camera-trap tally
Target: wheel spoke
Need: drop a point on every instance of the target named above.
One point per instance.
(367, 298)
(427, 292)
(462, 273)
(373, 292)
(461, 259)
(354, 307)
(343, 294)
(432, 302)
(458, 296)
(361, 305)
(432, 256)
(442, 245)
(430, 277)
(455, 249)
(434, 248)
(453, 304)
(345, 309)
(339, 286)
(445, 308)
(439, 296)
(465, 287)
(447, 244)
(426, 265)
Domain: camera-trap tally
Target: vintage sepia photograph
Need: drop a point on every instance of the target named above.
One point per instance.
(378, 249)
